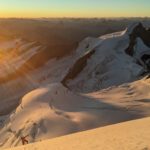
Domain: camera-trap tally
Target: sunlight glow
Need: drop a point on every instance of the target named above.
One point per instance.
(71, 8)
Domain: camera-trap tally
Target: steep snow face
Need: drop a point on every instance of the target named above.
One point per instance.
(53, 110)
(108, 66)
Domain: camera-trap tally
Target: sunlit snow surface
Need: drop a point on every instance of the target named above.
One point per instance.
(108, 90)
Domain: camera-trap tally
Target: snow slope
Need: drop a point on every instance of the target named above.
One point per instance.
(53, 111)
(108, 66)
(98, 84)
(134, 96)
(132, 135)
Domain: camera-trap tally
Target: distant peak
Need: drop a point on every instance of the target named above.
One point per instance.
(134, 26)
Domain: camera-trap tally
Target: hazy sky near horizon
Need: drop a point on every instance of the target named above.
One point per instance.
(74, 8)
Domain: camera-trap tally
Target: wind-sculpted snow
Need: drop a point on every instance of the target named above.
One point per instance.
(53, 111)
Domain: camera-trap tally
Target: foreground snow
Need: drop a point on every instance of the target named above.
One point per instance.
(132, 135)
(53, 110)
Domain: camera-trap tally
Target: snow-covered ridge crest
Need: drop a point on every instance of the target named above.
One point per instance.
(113, 35)
(127, 31)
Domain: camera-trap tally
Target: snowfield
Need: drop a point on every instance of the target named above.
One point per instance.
(132, 135)
(53, 111)
(104, 81)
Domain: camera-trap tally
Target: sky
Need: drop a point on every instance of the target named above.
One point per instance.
(74, 8)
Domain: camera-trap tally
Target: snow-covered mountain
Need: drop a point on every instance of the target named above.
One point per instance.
(104, 81)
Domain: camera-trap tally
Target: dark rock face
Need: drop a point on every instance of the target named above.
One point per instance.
(146, 59)
(77, 67)
(144, 34)
(141, 32)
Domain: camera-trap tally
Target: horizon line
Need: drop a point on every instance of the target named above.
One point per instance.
(140, 17)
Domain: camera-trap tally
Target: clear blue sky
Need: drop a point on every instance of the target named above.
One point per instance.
(74, 8)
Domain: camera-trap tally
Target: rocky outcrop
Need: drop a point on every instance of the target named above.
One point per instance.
(77, 67)
(141, 32)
